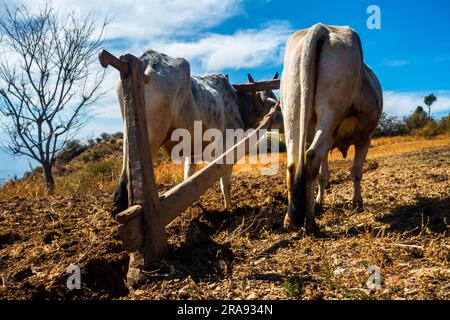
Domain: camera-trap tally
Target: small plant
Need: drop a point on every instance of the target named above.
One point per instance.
(96, 156)
(356, 295)
(329, 273)
(365, 264)
(293, 287)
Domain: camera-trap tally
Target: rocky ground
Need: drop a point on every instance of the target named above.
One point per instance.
(244, 253)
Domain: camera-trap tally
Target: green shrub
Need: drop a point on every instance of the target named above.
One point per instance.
(96, 156)
(105, 136)
(444, 125)
(430, 130)
(118, 135)
(417, 120)
(72, 149)
(293, 287)
(103, 168)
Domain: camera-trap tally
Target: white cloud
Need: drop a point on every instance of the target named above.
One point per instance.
(165, 25)
(442, 58)
(108, 106)
(396, 62)
(212, 53)
(244, 49)
(149, 18)
(404, 103)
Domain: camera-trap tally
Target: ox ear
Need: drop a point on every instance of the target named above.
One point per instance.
(275, 76)
(228, 78)
(250, 78)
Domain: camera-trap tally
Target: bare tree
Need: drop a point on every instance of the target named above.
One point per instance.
(48, 79)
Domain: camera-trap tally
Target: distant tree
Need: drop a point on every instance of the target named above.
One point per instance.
(118, 135)
(429, 100)
(105, 136)
(390, 126)
(91, 142)
(417, 120)
(48, 78)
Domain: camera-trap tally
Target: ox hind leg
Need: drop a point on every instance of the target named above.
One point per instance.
(292, 133)
(361, 150)
(323, 179)
(315, 156)
(225, 186)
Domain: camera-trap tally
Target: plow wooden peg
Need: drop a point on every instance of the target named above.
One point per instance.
(108, 59)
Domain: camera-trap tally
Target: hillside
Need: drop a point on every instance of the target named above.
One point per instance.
(243, 253)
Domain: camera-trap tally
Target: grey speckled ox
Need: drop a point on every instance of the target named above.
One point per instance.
(175, 99)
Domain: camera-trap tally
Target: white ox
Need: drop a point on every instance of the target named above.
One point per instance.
(174, 99)
(330, 99)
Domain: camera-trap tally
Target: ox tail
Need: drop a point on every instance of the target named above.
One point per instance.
(310, 56)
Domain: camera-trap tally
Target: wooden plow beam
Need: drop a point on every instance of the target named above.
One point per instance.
(258, 86)
(142, 225)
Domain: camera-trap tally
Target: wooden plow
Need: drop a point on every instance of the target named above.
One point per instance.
(142, 225)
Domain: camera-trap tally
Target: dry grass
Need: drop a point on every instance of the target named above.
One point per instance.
(104, 173)
(382, 147)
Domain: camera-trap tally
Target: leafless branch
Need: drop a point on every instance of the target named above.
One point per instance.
(48, 78)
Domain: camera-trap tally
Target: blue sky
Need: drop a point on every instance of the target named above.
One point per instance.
(410, 53)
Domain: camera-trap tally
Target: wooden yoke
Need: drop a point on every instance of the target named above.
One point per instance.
(273, 84)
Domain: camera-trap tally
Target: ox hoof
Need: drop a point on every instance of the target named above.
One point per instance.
(292, 220)
(311, 227)
(318, 208)
(358, 205)
(287, 223)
